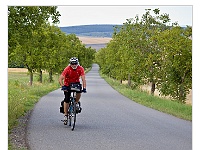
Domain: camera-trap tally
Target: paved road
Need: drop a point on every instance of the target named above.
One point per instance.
(108, 121)
(96, 46)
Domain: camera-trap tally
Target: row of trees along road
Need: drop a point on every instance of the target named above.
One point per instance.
(148, 50)
(38, 44)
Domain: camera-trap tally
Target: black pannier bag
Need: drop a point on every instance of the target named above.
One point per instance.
(76, 87)
(62, 107)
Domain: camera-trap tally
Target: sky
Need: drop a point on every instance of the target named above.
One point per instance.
(84, 15)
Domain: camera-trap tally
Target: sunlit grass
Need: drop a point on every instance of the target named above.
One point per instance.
(22, 97)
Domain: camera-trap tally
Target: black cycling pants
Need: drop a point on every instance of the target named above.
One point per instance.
(67, 96)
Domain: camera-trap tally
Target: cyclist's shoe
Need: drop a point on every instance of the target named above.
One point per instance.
(80, 110)
(65, 120)
(78, 107)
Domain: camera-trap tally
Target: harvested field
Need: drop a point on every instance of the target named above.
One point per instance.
(94, 40)
(17, 70)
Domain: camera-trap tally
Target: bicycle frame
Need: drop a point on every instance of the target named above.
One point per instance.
(72, 111)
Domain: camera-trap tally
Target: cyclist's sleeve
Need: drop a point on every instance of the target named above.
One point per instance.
(82, 71)
(65, 71)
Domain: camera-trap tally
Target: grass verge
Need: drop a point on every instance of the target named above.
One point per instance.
(22, 97)
(171, 107)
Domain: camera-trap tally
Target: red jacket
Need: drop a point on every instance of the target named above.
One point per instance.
(72, 75)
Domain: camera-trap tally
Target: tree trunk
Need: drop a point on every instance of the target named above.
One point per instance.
(51, 76)
(129, 80)
(182, 92)
(31, 78)
(40, 80)
(30, 70)
(182, 95)
(153, 87)
(121, 81)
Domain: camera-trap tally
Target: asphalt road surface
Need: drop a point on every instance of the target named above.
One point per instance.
(108, 121)
(96, 46)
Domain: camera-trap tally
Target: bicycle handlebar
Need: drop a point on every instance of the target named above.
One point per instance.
(74, 90)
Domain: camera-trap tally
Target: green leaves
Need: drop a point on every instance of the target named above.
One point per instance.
(38, 45)
(151, 52)
(177, 62)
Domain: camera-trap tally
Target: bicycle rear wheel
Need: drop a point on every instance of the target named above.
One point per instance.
(72, 116)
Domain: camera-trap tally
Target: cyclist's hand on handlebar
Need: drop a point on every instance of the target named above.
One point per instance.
(64, 88)
(84, 90)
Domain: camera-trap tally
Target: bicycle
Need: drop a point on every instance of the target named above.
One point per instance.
(72, 111)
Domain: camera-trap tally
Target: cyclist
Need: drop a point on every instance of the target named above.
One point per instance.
(72, 74)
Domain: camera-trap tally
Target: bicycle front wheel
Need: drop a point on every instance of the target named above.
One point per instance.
(72, 116)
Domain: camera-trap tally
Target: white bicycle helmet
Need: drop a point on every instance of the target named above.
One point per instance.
(74, 62)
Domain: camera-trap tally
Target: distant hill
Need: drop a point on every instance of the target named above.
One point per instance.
(90, 30)
(96, 30)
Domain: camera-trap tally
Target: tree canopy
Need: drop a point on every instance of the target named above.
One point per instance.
(38, 44)
(149, 50)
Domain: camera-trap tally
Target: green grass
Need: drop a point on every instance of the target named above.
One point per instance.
(22, 97)
(171, 107)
